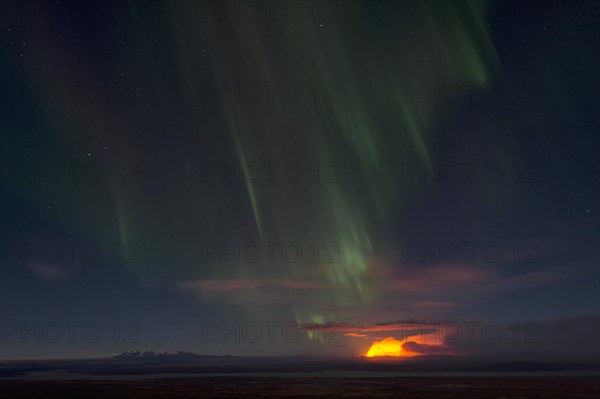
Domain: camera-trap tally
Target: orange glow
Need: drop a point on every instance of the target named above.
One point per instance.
(389, 346)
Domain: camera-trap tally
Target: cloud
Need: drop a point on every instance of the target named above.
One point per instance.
(443, 278)
(48, 272)
(572, 335)
(356, 335)
(427, 291)
(536, 278)
(425, 349)
(408, 328)
(433, 305)
(475, 337)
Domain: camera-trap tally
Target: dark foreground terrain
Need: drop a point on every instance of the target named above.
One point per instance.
(266, 387)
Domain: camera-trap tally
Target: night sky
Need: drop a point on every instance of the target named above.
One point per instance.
(179, 176)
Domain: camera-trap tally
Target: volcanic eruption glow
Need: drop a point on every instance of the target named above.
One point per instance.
(409, 347)
(389, 346)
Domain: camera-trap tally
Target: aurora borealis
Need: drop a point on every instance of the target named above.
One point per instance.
(171, 170)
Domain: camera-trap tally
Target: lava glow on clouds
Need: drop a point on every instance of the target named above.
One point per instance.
(409, 347)
(389, 346)
(416, 338)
